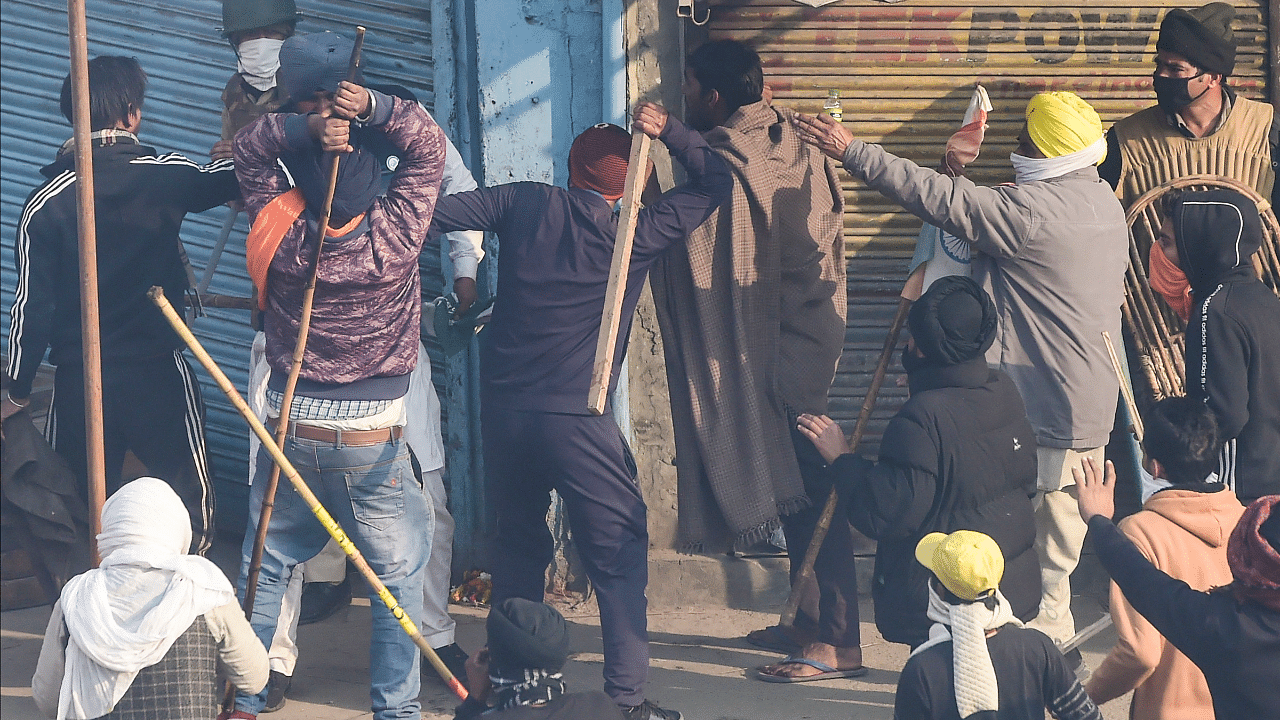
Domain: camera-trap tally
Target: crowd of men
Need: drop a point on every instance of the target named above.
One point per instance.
(987, 480)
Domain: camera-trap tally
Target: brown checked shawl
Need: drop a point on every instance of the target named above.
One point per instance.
(752, 316)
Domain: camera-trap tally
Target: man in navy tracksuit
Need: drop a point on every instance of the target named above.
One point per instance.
(151, 402)
(1233, 343)
(535, 367)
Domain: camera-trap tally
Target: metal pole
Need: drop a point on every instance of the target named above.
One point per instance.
(91, 333)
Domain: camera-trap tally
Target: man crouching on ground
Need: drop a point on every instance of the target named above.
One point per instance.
(346, 423)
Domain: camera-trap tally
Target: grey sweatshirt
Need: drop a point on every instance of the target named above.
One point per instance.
(1053, 256)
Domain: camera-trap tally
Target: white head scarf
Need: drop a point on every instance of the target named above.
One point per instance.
(966, 626)
(126, 614)
(1028, 169)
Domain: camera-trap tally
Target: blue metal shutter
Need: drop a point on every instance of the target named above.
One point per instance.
(188, 64)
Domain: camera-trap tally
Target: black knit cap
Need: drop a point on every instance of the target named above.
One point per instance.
(525, 634)
(1202, 35)
(954, 321)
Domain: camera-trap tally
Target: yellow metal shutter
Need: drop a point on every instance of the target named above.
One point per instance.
(905, 73)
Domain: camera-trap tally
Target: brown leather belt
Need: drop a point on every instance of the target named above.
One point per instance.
(341, 437)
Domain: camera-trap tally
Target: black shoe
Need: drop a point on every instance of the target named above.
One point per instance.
(277, 687)
(646, 710)
(453, 658)
(321, 600)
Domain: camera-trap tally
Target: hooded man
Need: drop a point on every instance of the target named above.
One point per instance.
(979, 661)
(762, 282)
(301, 86)
(1052, 251)
(959, 455)
(346, 425)
(1233, 349)
(536, 358)
(148, 632)
(1183, 530)
(1199, 125)
(517, 675)
(1231, 633)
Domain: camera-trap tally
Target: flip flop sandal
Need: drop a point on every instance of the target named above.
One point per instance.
(773, 638)
(828, 672)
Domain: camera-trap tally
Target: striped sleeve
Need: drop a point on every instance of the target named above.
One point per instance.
(1074, 704)
(37, 256)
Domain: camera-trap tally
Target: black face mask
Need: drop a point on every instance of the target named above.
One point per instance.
(1172, 94)
(912, 362)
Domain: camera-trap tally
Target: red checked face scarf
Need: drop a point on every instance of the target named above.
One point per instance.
(1253, 558)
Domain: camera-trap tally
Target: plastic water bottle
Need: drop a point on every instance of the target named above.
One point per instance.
(832, 105)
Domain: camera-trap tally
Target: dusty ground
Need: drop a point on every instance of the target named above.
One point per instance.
(698, 666)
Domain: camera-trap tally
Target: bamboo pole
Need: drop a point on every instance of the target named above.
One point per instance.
(91, 331)
(300, 486)
(910, 292)
(295, 367)
(616, 290)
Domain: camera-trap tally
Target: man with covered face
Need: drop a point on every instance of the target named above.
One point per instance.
(346, 424)
(1051, 251)
(1233, 350)
(1199, 125)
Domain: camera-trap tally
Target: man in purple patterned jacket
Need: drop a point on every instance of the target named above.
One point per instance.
(346, 422)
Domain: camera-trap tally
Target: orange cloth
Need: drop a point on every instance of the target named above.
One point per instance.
(1169, 280)
(268, 231)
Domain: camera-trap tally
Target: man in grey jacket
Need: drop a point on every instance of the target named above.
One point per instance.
(1051, 252)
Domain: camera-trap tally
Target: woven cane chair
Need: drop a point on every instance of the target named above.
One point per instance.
(1155, 329)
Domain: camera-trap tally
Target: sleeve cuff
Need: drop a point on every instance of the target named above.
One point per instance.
(380, 106)
(296, 136)
(465, 267)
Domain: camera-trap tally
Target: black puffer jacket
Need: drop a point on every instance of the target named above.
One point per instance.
(1233, 336)
(960, 455)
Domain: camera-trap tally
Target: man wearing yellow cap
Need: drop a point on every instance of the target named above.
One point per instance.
(1051, 251)
(979, 659)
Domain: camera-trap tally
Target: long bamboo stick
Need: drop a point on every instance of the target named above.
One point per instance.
(87, 227)
(300, 486)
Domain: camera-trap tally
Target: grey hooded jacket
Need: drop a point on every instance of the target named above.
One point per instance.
(1053, 255)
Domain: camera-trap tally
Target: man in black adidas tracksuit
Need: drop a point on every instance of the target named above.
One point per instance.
(151, 402)
(1233, 334)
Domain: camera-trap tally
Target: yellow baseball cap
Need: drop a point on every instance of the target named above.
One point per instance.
(966, 562)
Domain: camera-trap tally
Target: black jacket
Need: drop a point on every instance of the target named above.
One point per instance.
(960, 455)
(1233, 337)
(1235, 644)
(140, 201)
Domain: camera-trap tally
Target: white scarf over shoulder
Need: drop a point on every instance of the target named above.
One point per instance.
(126, 614)
(965, 627)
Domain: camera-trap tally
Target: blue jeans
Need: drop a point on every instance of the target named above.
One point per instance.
(364, 488)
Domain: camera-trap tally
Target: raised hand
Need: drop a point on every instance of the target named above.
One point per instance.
(823, 132)
(650, 119)
(350, 101)
(1096, 489)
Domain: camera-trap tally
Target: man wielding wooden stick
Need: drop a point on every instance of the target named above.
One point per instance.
(536, 366)
(346, 423)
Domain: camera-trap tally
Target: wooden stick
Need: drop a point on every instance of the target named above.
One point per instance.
(1081, 637)
(616, 291)
(1125, 390)
(207, 276)
(87, 226)
(300, 486)
(910, 292)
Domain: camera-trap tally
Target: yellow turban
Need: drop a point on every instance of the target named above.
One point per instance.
(1060, 123)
